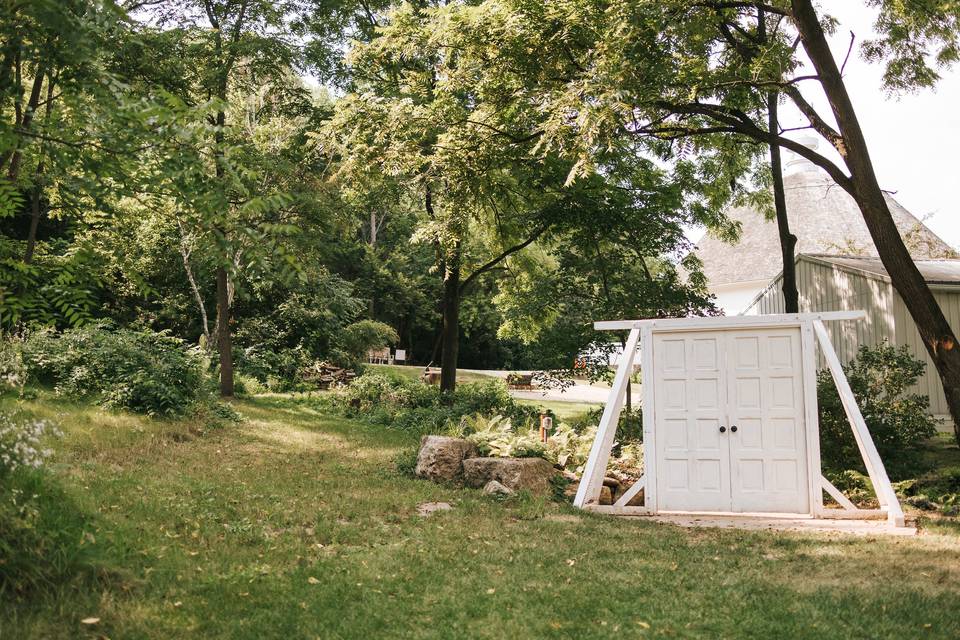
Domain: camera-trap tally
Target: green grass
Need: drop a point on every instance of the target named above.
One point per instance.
(564, 410)
(293, 524)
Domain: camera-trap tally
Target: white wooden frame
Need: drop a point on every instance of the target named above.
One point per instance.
(812, 333)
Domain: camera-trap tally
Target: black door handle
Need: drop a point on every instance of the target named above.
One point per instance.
(733, 428)
(723, 429)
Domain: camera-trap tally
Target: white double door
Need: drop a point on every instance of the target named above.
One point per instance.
(729, 421)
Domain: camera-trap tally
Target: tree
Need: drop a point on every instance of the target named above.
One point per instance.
(684, 79)
(70, 137)
(788, 241)
(614, 255)
(431, 110)
(232, 47)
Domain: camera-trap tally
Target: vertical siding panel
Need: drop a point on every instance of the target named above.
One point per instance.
(825, 288)
(908, 334)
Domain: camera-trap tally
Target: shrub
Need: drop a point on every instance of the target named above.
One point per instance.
(898, 419)
(139, 370)
(496, 437)
(13, 371)
(357, 339)
(565, 448)
(411, 405)
(278, 369)
(629, 427)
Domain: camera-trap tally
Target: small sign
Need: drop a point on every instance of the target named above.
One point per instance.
(400, 355)
(546, 425)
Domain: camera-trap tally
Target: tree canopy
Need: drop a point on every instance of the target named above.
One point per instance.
(484, 177)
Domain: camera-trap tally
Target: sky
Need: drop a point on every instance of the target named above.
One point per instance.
(912, 138)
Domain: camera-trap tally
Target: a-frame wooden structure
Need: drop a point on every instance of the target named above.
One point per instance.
(812, 333)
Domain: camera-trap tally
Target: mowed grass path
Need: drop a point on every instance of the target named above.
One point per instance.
(294, 524)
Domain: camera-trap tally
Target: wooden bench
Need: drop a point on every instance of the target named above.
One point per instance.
(523, 381)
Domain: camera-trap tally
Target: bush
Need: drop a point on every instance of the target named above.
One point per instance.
(899, 420)
(13, 371)
(143, 371)
(413, 406)
(565, 448)
(360, 337)
(278, 369)
(629, 427)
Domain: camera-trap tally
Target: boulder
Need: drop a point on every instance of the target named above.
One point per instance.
(638, 500)
(613, 483)
(531, 474)
(441, 457)
(606, 496)
(494, 488)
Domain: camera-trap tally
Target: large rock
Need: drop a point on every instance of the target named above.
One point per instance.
(606, 495)
(441, 457)
(531, 474)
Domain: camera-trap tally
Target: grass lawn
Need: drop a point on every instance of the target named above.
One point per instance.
(294, 524)
(563, 409)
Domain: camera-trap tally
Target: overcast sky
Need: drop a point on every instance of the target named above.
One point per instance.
(913, 139)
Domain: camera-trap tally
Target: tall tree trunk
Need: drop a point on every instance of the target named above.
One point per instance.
(224, 298)
(7, 57)
(788, 241)
(35, 210)
(936, 333)
(185, 252)
(36, 194)
(374, 227)
(450, 334)
(13, 172)
(224, 339)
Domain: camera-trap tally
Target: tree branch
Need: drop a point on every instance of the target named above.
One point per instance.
(820, 125)
(745, 126)
(508, 252)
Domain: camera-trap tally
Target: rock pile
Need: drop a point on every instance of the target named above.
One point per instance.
(447, 459)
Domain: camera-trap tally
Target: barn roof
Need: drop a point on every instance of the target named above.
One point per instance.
(945, 272)
(825, 219)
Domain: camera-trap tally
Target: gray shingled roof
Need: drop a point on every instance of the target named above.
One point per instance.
(933, 271)
(825, 219)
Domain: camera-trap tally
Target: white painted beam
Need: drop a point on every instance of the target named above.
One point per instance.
(589, 490)
(835, 493)
(871, 458)
(728, 322)
(631, 492)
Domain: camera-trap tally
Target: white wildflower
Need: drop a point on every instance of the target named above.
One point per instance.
(21, 442)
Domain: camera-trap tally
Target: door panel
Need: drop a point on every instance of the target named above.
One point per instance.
(691, 406)
(768, 450)
(708, 380)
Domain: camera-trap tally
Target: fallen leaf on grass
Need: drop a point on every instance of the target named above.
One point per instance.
(90, 621)
(313, 580)
(491, 591)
